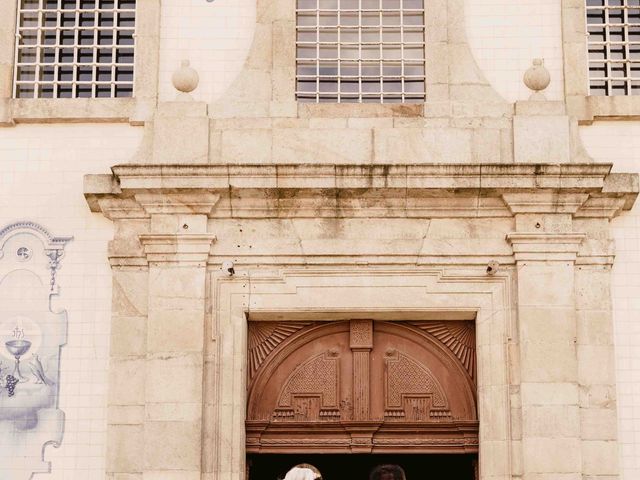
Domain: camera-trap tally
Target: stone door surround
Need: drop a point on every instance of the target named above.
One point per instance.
(405, 243)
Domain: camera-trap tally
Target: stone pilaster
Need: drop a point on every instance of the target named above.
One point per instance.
(595, 348)
(549, 395)
(159, 259)
(174, 362)
(575, 267)
(596, 371)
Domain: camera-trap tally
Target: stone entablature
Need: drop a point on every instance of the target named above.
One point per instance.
(193, 199)
(375, 242)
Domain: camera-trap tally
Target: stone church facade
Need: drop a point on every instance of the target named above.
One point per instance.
(231, 233)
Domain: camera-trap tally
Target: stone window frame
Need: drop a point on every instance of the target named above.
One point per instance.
(135, 110)
(585, 107)
(266, 85)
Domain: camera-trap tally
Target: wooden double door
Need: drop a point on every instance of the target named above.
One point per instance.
(361, 386)
(360, 467)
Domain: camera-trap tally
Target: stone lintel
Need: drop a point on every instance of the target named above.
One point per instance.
(185, 249)
(309, 190)
(545, 246)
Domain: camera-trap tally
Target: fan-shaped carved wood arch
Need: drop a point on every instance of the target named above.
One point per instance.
(361, 386)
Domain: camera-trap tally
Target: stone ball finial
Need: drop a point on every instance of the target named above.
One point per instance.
(185, 79)
(537, 78)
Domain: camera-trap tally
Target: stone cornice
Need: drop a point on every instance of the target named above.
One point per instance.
(543, 201)
(309, 190)
(531, 246)
(185, 249)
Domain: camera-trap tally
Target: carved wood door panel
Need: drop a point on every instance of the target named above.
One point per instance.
(361, 386)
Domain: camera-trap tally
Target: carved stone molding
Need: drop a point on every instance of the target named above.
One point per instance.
(198, 202)
(264, 338)
(312, 391)
(185, 249)
(361, 336)
(545, 246)
(412, 392)
(458, 337)
(401, 191)
(334, 295)
(545, 202)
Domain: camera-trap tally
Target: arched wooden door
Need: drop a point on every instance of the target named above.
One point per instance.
(361, 386)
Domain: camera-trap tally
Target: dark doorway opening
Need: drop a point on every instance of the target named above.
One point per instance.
(358, 467)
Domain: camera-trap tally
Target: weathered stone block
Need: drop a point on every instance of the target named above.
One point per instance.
(172, 446)
(548, 362)
(181, 133)
(293, 145)
(130, 293)
(128, 336)
(599, 457)
(126, 381)
(598, 423)
(551, 455)
(126, 414)
(174, 379)
(246, 146)
(173, 412)
(543, 393)
(551, 421)
(125, 451)
(594, 327)
(596, 364)
(541, 139)
(176, 284)
(175, 330)
(538, 322)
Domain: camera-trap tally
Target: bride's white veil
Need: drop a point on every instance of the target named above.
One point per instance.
(297, 473)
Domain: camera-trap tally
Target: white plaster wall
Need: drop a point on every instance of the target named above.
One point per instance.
(215, 36)
(619, 143)
(41, 172)
(505, 35)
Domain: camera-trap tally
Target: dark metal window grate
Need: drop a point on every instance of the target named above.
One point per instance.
(613, 28)
(75, 49)
(360, 51)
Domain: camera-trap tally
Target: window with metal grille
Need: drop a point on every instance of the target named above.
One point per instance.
(74, 48)
(614, 46)
(360, 51)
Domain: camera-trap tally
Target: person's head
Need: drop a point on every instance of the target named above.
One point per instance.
(387, 472)
(304, 471)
